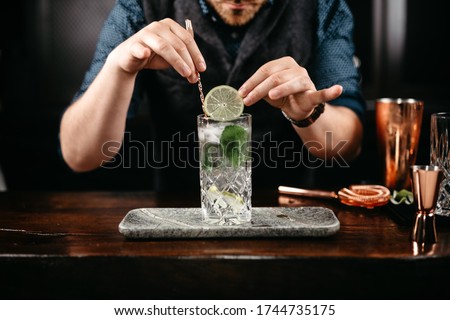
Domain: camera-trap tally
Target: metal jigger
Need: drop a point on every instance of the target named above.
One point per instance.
(425, 184)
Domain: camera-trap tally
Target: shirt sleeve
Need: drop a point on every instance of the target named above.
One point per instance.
(332, 62)
(124, 20)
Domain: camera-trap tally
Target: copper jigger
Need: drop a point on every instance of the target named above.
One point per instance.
(425, 184)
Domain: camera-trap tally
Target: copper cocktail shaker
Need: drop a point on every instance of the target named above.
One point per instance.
(398, 124)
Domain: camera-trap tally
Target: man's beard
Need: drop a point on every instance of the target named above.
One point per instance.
(237, 17)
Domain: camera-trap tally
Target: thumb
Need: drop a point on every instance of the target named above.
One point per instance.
(139, 51)
(328, 94)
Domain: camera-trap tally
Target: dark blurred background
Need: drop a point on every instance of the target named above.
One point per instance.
(46, 46)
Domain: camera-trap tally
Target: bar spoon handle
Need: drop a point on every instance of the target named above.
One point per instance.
(308, 193)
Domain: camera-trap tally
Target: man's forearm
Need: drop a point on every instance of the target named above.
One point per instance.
(96, 118)
(344, 130)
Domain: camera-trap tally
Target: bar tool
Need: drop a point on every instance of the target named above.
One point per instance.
(425, 184)
(368, 196)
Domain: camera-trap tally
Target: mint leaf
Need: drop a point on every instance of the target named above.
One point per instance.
(212, 155)
(233, 141)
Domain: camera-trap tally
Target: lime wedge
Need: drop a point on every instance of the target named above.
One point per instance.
(223, 103)
(234, 201)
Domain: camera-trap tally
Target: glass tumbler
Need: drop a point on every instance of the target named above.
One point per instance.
(225, 169)
(440, 156)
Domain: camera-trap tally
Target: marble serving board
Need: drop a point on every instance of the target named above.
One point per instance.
(154, 223)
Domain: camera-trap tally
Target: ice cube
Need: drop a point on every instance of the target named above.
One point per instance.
(210, 134)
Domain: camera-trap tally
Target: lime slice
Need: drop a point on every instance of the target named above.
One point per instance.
(225, 199)
(223, 103)
(234, 201)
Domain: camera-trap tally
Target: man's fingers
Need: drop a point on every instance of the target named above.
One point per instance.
(187, 37)
(295, 85)
(180, 47)
(167, 52)
(166, 43)
(263, 73)
(276, 86)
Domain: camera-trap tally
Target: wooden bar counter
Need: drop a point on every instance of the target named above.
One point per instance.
(66, 245)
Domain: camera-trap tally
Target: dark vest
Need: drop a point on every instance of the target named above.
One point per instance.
(284, 29)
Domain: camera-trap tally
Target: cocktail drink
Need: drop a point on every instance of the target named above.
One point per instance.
(225, 169)
(225, 164)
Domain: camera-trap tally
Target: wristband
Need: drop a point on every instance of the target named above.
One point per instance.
(318, 110)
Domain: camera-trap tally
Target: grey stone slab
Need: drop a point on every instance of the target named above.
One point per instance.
(144, 223)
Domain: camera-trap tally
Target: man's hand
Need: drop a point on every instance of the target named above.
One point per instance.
(99, 115)
(160, 45)
(286, 85)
